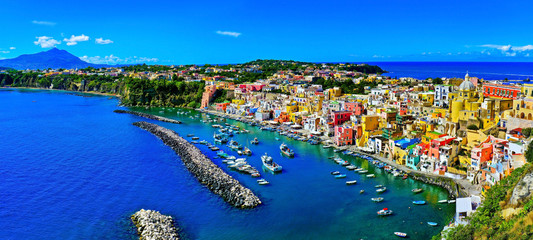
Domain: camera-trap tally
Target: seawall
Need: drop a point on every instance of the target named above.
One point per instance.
(149, 116)
(205, 171)
(454, 189)
(152, 225)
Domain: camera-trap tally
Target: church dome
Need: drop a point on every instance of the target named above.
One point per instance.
(467, 86)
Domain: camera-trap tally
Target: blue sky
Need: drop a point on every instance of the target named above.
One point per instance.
(185, 32)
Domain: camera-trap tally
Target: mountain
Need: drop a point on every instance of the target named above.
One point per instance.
(53, 58)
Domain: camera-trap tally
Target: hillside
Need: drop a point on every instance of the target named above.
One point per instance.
(53, 58)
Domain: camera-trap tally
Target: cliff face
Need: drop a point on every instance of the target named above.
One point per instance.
(523, 190)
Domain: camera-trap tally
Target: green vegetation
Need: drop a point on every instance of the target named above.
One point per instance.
(488, 222)
(347, 86)
(526, 132)
(529, 152)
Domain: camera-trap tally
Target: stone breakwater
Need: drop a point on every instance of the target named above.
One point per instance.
(204, 169)
(152, 225)
(454, 190)
(149, 116)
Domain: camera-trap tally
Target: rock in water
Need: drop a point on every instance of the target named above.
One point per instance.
(149, 116)
(152, 225)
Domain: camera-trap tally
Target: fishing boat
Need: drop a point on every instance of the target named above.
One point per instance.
(378, 186)
(256, 174)
(433, 224)
(377, 199)
(190, 135)
(362, 191)
(326, 146)
(194, 142)
(195, 138)
(344, 163)
(417, 190)
(340, 176)
(222, 154)
(277, 138)
(204, 142)
(271, 165)
(234, 145)
(220, 138)
(351, 182)
(363, 171)
(214, 148)
(384, 212)
(255, 141)
(380, 190)
(247, 151)
(451, 201)
(404, 177)
(443, 201)
(400, 234)
(370, 176)
(231, 157)
(335, 173)
(286, 150)
(419, 202)
(351, 167)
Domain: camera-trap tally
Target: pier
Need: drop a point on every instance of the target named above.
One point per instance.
(205, 171)
(149, 116)
(152, 225)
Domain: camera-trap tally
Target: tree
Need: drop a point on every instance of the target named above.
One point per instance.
(436, 81)
(529, 152)
(472, 127)
(526, 132)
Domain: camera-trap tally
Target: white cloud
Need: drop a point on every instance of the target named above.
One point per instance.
(508, 50)
(103, 41)
(45, 23)
(46, 42)
(227, 33)
(73, 40)
(12, 48)
(112, 59)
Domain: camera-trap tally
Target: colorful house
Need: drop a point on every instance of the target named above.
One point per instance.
(344, 135)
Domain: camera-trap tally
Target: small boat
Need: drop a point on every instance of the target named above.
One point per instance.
(380, 190)
(351, 167)
(371, 176)
(190, 135)
(337, 150)
(362, 191)
(335, 173)
(340, 176)
(433, 224)
(247, 151)
(255, 141)
(277, 138)
(231, 157)
(262, 181)
(443, 201)
(195, 138)
(256, 174)
(378, 186)
(195, 142)
(384, 212)
(404, 177)
(326, 146)
(351, 182)
(400, 234)
(204, 142)
(214, 148)
(417, 190)
(451, 201)
(377, 199)
(363, 171)
(286, 150)
(419, 202)
(271, 165)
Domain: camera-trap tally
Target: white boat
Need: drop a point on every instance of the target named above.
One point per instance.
(363, 171)
(377, 199)
(351, 182)
(380, 190)
(384, 212)
(370, 175)
(451, 201)
(262, 181)
(271, 165)
(443, 201)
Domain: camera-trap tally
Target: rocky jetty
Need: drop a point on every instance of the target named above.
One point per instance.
(204, 169)
(454, 190)
(149, 116)
(523, 190)
(152, 225)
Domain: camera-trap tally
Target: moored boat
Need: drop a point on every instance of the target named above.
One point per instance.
(255, 141)
(370, 176)
(380, 190)
(451, 201)
(433, 224)
(377, 199)
(286, 150)
(443, 201)
(384, 212)
(400, 234)
(417, 190)
(362, 191)
(271, 165)
(335, 173)
(340, 176)
(351, 182)
(378, 186)
(419, 202)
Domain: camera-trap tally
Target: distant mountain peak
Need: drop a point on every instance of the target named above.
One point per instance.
(54, 58)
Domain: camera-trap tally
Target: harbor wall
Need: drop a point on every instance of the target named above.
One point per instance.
(152, 225)
(454, 189)
(205, 171)
(149, 116)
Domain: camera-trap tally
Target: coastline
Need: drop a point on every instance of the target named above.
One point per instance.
(62, 90)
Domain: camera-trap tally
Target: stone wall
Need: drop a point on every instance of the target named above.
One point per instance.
(453, 189)
(149, 116)
(204, 169)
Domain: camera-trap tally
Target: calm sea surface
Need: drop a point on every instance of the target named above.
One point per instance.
(485, 70)
(72, 169)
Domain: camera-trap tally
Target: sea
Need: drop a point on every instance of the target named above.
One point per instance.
(71, 168)
(485, 70)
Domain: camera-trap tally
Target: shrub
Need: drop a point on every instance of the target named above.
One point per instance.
(472, 127)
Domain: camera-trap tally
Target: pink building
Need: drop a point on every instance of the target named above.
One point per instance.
(356, 107)
(208, 95)
(251, 87)
(340, 117)
(343, 135)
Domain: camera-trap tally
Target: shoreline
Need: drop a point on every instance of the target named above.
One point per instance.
(62, 90)
(462, 187)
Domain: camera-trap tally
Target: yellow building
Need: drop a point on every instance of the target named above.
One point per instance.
(369, 127)
(464, 103)
(523, 108)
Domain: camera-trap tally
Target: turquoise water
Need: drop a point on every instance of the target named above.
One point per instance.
(73, 169)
